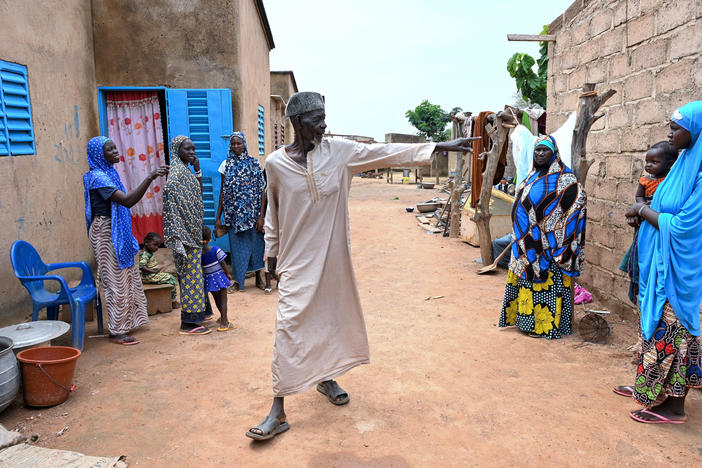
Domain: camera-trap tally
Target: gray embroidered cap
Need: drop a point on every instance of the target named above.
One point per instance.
(304, 101)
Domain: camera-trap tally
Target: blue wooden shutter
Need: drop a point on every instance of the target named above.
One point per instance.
(16, 129)
(4, 141)
(261, 131)
(204, 115)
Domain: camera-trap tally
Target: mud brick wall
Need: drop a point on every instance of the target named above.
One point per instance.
(650, 52)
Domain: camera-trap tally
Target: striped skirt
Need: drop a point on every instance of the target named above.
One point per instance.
(124, 295)
(192, 285)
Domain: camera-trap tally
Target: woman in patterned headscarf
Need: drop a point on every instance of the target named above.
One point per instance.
(182, 229)
(242, 200)
(548, 220)
(110, 231)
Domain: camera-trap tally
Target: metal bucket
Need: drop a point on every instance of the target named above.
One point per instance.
(9, 373)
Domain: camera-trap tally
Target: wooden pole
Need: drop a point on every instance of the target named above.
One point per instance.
(532, 37)
(436, 161)
(458, 190)
(451, 185)
(590, 102)
(498, 135)
(588, 105)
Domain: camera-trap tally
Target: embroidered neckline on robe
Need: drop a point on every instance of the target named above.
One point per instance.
(312, 189)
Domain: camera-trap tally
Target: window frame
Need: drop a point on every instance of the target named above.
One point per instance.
(261, 130)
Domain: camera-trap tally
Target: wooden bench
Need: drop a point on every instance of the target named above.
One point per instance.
(158, 298)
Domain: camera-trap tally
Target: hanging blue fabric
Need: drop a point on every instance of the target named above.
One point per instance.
(103, 174)
(669, 257)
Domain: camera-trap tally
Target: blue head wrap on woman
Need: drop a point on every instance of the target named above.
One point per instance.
(103, 174)
(669, 257)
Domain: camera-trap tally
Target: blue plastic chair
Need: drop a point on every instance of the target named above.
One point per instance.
(32, 273)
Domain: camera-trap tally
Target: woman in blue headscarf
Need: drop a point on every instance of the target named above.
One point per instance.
(109, 226)
(670, 279)
(548, 223)
(242, 200)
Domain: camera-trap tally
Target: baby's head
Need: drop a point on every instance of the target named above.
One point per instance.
(206, 235)
(152, 241)
(660, 158)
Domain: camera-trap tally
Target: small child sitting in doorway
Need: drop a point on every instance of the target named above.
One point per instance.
(151, 271)
(659, 160)
(218, 277)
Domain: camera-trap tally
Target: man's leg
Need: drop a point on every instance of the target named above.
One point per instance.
(274, 424)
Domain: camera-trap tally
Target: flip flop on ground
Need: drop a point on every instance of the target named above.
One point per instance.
(270, 427)
(335, 394)
(624, 390)
(229, 326)
(660, 419)
(124, 339)
(195, 331)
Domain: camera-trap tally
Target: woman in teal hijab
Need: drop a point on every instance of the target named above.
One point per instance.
(670, 279)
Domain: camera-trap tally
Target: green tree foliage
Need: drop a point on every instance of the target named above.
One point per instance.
(430, 119)
(531, 85)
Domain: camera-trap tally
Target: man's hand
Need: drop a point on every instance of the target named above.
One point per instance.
(459, 144)
(260, 223)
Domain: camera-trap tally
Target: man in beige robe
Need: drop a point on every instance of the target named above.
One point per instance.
(320, 331)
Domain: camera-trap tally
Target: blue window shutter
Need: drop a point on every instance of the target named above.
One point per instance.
(261, 131)
(4, 147)
(204, 115)
(16, 128)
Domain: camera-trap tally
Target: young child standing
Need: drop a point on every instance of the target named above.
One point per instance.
(659, 159)
(151, 271)
(217, 277)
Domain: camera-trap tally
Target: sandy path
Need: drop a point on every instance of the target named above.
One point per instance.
(445, 385)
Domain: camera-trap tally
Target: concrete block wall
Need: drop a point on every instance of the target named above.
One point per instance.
(650, 52)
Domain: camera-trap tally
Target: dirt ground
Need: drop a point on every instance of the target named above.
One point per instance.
(445, 385)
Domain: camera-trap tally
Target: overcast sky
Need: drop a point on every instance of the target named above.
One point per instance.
(375, 59)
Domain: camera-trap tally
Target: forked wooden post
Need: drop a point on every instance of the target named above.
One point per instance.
(590, 102)
(498, 129)
(458, 190)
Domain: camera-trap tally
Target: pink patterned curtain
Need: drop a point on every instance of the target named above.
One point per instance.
(134, 124)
